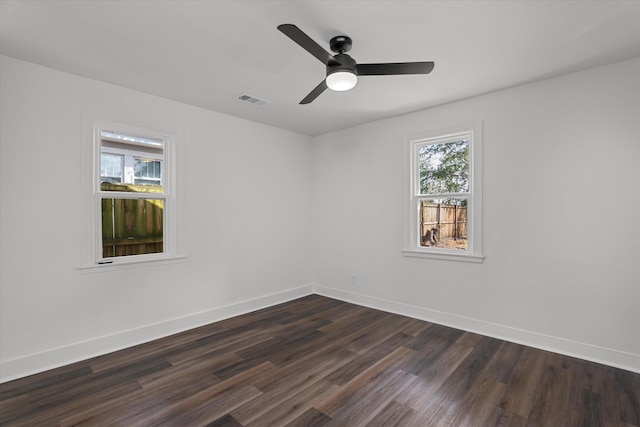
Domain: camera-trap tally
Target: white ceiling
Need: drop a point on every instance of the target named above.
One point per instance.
(208, 52)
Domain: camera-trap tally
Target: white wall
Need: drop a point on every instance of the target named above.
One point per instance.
(561, 230)
(246, 227)
(568, 143)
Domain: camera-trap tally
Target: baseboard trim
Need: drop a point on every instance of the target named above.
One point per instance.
(61, 356)
(593, 353)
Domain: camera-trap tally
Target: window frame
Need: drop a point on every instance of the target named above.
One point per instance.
(93, 256)
(413, 198)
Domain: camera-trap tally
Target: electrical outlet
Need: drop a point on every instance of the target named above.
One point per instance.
(353, 279)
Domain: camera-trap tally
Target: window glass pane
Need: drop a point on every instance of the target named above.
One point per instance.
(443, 223)
(111, 166)
(147, 172)
(132, 227)
(444, 168)
(140, 163)
(106, 135)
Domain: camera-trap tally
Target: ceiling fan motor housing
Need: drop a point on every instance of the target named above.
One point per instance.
(340, 44)
(343, 62)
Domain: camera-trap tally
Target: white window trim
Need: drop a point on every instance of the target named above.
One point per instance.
(412, 247)
(173, 249)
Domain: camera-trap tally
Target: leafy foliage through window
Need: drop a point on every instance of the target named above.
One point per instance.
(444, 168)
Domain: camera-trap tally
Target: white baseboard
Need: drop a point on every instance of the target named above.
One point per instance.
(53, 358)
(593, 353)
(56, 357)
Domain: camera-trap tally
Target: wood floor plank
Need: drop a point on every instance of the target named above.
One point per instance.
(415, 327)
(210, 403)
(517, 396)
(501, 418)
(377, 332)
(157, 391)
(293, 406)
(305, 369)
(367, 379)
(56, 378)
(281, 384)
(505, 361)
(213, 408)
(225, 421)
(12, 408)
(203, 366)
(231, 344)
(99, 383)
(319, 362)
(361, 363)
(463, 380)
(478, 405)
(620, 398)
(361, 406)
(142, 354)
(431, 377)
(551, 397)
(310, 418)
(392, 415)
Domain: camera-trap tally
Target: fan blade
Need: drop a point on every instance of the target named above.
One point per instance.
(296, 34)
(394, 68)
(315, 92)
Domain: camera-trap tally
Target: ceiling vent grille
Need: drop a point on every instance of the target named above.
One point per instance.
(253, 100)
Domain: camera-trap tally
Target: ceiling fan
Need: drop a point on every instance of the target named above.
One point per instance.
(342, 70)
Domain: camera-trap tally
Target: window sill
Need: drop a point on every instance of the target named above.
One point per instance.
(123, 264)
(447, 256)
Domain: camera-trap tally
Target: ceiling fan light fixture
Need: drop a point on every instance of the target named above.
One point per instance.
(341, 81)
(342, 70)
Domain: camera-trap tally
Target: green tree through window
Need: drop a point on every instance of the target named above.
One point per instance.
(444, 169)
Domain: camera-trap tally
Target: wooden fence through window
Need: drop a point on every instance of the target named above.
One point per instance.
(131, 226)
(450, 220)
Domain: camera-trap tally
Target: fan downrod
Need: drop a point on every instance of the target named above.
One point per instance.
(340, 44)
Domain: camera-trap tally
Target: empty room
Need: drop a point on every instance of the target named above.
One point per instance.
(319, 213)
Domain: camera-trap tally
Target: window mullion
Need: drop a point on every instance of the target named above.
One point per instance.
(130, 195)
(466, 195)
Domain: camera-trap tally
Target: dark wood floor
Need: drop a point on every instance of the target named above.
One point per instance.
(322, 362)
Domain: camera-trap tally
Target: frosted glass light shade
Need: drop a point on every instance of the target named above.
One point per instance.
(341, 81)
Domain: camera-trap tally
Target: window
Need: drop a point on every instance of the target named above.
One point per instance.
(131, 224)
(134, 198)
(147, 171)
(444, 218)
